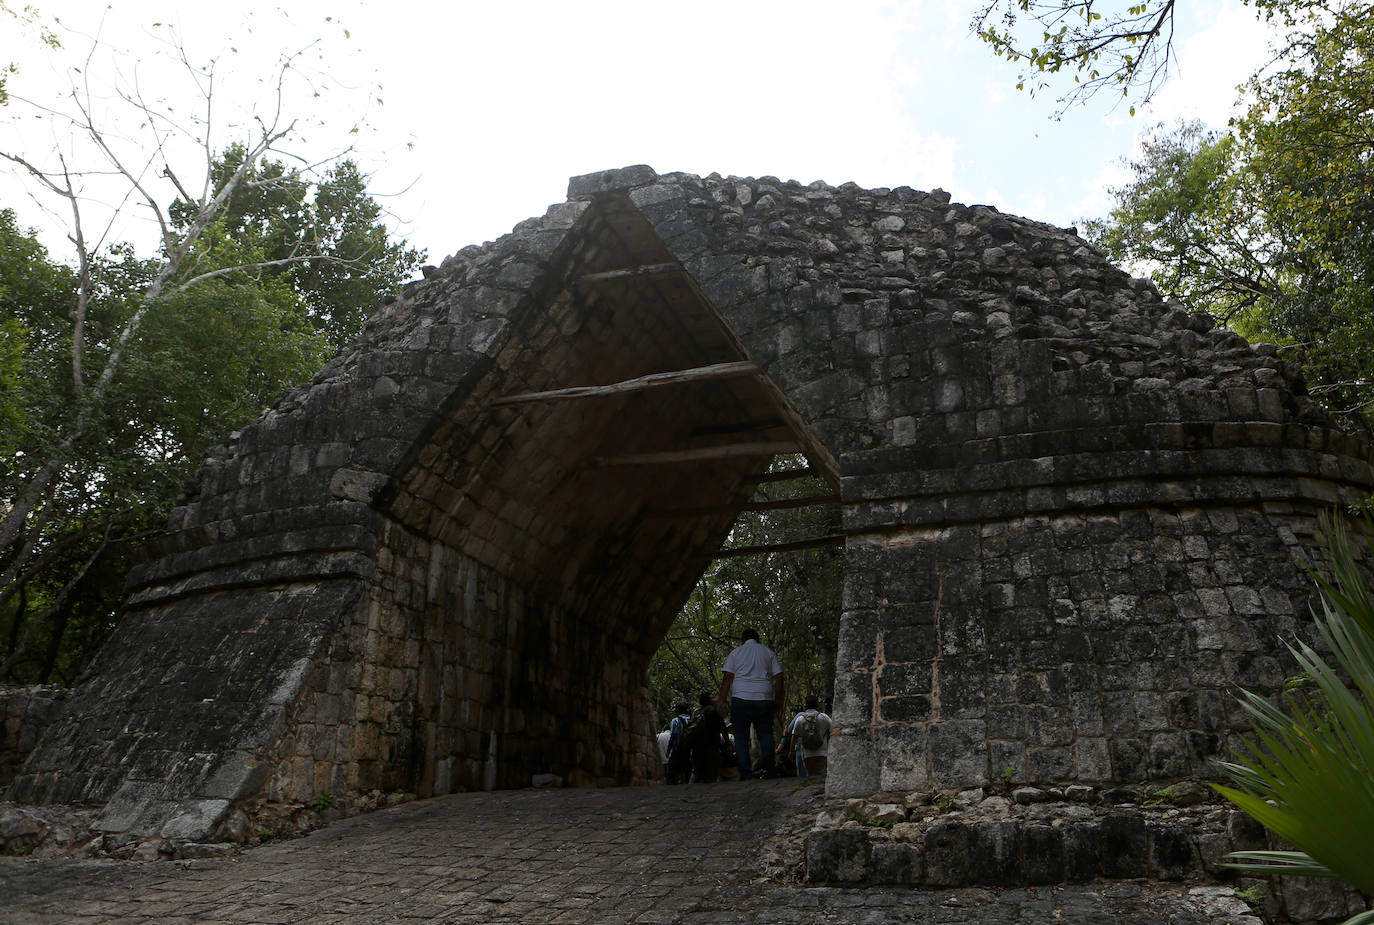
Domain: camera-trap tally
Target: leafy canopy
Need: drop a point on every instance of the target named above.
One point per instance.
(286, 274)
(1270, 225)
(1082, 47)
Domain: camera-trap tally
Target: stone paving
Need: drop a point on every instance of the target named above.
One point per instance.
(657, 855)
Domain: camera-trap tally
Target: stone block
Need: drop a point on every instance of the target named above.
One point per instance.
(1043, 848)
(854, 767)
(1122, 843)
(959, 753)
(893, 862)
(1049, 765)
(1082, 850)
(1092, 759)
(903, 759)
(195, 820)
(837, 856)
(1173, 853)
(949, 854)
(997, 854)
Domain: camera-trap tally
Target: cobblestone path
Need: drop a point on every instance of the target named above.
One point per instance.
(660, 855)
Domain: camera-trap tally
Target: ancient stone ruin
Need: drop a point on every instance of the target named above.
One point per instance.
(1075, 516)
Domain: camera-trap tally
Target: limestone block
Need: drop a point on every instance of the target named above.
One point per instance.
(949, 854)
(837, 856)
(894, 862)
(195, 821)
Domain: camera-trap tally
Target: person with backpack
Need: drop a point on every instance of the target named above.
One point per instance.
(705, 735)
(679, 751)
(809, 734)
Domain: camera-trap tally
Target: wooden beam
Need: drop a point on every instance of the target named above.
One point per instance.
(784, 475)
(651, 269)
(729, 370)
(738, 427)
(832, 539)
(778, 505)
(727, 451)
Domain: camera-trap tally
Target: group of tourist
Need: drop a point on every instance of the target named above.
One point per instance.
(700, 746)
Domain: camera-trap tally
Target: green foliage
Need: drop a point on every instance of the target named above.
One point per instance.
(1188, 216)
(11, 401)
(1253, 896)
(26, 17)
(1309, 135)
(1086, 46)
(1166, 796)
(791, 598)
(1270, 226)
(1308, 774)
(320, 245)
(1127, 47)
(324, 800)
(287, 273)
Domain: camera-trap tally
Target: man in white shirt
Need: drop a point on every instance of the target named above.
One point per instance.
(752, 682)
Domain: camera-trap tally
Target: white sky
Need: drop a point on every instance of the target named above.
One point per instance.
(488, 107)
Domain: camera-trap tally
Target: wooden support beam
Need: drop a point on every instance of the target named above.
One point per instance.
(651, 269)
(832, 539)
(784, 475)
(738, 427)
(778, 505)
(729, 370)
(699, 454)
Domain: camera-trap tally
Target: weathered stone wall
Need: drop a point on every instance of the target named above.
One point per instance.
(454, 678)
(1076, 514)
(172, 727)
(1094, 647)
(25, 712)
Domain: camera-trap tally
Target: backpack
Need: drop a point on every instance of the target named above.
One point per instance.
(695, 725)
(680, 726)
(812, 738)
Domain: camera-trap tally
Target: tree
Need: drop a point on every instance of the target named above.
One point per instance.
(1309, 139)
(322, 241)
(1188, 217)
(130, 367)
(26, 18)
(1270, 226)
(1127, 46)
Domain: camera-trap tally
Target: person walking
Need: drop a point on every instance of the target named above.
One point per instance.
(809, 733)
(679, 767)
(751, 682)
(706, 734)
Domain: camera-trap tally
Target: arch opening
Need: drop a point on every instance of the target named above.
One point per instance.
(551, 525)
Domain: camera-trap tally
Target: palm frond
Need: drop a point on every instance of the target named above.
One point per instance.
(1307, 773)
(1281, 863)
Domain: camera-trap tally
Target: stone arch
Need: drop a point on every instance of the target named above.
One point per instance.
(1075, 514)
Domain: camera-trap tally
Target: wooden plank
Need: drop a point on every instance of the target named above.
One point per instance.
(784, 475)
(651, 269)
(726, 451)
(778, 505)
(739, 427)
(716, 371)
(832, 539)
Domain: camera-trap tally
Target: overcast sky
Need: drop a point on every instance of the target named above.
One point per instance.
(487, 108)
